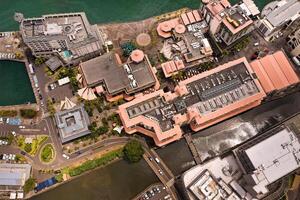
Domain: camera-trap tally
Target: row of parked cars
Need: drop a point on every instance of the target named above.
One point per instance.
(7, 157)
(7, 55)
(151, 193)
(3, 142)
(5, 34)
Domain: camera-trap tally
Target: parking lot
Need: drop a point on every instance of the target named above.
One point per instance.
(155, 192)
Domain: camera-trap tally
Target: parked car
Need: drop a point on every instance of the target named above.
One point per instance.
(14, 133)
(296, 61)
(65, 156)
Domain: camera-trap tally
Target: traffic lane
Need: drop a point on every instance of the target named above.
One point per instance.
(160, 172)
(67, 162)
(101, 144)
(159, 164)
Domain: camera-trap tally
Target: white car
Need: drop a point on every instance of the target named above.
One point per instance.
(3, 142)
(1, 120)
(65, 156)
(13, 133)
(7, 120)
(21, 126)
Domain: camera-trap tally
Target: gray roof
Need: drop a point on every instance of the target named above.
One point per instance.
(105, 69)
(14, 174)
(54, 63)
(72, 123)
(275, 156)
(281, 11)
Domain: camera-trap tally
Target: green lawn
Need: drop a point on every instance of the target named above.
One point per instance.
(47, 153)
(32, 148)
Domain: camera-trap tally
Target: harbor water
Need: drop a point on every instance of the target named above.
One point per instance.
(15, 85)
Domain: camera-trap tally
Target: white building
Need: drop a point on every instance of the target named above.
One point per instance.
(269, 157)
(277, 15)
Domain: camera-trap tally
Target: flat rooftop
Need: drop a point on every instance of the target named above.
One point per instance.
(236, 18)
(14, 174)
(72, 123)
(207, 93)
(106, 70)
(278, 12)
(221, 89)
(197, 44)
(206, 187)
(282, 158)
(54, 25)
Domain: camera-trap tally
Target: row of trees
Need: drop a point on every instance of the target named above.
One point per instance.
(25, 113)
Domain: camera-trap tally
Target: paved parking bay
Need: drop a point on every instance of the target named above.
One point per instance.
(154, 192)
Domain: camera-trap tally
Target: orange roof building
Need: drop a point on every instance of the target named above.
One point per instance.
(206, 99)
(225, 21)
(172, 67)
(274, 72)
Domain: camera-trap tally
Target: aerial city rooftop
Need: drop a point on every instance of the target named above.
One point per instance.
(222, 78)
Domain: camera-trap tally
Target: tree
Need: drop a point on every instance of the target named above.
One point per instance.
(28, 113)
(133, 151)
(128, 48)
(29, 185)
(27, 147)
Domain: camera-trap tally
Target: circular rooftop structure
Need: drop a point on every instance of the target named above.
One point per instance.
(205, 1)
(137, 56)
(68, 28)
(166, 27)
(143, 39)
(180, 28)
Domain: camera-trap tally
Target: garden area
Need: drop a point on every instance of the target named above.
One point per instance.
(30, 144)
(28, 113)
(8, 113)
(92, 164)
(25, 113)
(47, 153)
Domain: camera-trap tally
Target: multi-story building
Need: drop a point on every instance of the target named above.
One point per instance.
(207, 98)
(293, 41)
(135, 75)
(13, 176)
(69, 36)
(278, 15)
(262, 169)
(276, 75)
(227, 23)
(184, 41)
(247, 171)
(72, 123)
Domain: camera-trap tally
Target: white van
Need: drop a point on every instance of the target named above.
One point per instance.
(157, 160)
(296, 60)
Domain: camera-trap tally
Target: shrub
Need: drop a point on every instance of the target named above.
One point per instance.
(29, 185)
(28, 148)
(92, 164)
(28, 113)
(133, 151)
(59, 177)
(128, 48)
(8, 113)
(47, 153)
